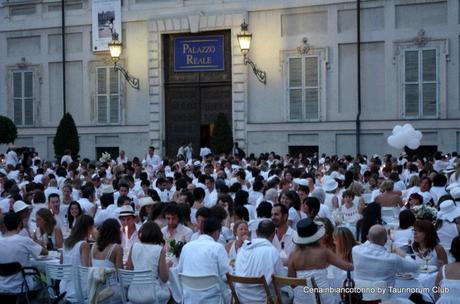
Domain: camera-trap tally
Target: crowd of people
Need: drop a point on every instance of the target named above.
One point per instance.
(295, 216)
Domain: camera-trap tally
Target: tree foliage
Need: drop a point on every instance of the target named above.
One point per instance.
(66, 137)
(8, 130)
(222, 138)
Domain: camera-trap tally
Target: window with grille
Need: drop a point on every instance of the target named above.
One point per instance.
(108, 95)
(23, 98)
(420, 83)
(303, 88)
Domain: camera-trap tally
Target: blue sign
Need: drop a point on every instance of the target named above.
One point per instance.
(199, 53)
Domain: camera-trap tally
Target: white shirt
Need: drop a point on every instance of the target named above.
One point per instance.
(374, 263)
(86, 205)
(211, 198)
(11, 158)
(204, 151)
(183, 233)
(203, 257)
(254, 259)
(286, 239)
(17, 248)
(152, 163)
(255, 198)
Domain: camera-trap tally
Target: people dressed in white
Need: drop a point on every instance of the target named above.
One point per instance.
(256, 258)
(448, 278)
(151, 162)
(373, 262)
(448, 223)
(149, 254)
(16, 248)
(204, 256)
(174, 230)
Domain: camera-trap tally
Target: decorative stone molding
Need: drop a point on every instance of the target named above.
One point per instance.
(194, 24)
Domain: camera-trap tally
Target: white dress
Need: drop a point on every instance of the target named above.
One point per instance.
(146, 257)
(112, 278)
(451, 297)
(70, 257)
(320, 275)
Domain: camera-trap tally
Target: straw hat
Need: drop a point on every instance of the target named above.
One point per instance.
(126, 210)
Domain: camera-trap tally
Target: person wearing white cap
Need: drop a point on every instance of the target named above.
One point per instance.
(309, 258)
(24, 211)
(448, 223)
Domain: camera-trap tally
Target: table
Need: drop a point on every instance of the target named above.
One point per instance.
(421, 280)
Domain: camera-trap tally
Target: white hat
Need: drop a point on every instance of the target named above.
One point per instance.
(107, 189)
(337, 175)
(308, 231)
(455, 193)
(197, 163)
(330, 184)
(18, 206)
(448, 211)
(301, 182)
(126, 210)
(146, 201)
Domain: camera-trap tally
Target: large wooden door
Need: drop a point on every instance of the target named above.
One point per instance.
(194, 99)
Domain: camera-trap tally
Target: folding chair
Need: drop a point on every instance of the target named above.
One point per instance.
(232, 279)
(202, 283)
(10, 269)
(68, 273)
(127, 278)
(279, 281)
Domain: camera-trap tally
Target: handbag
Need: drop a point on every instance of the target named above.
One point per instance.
(350, 297)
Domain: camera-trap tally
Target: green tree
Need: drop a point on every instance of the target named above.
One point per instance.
(66, 137)
(222, 138)
(8, 131)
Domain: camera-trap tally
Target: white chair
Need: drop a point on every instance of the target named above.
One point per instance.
(377, 285)
(201, 284)
(82, 273)
(127, 278)
(68, 273)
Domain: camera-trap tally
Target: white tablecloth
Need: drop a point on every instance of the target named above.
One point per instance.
(421, 280)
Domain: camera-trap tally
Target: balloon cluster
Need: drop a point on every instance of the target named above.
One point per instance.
(405, 136)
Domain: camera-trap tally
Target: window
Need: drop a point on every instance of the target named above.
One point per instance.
(303, 88)
(23, 98)
(420, 83)
(108, 95)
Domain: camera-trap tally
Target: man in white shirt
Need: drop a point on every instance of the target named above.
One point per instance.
(373, 262)
(151, 162)
(16, 248)
(11, 158)
(87, 200)
(283, 236)
(205, 256)
(122, 159)
(174, 230)
(211, 192)
(256, 258)
(54, 205)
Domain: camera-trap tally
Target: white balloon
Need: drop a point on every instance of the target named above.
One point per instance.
(418, 135)
(413, 143)
(397, 129)
(407, 127)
